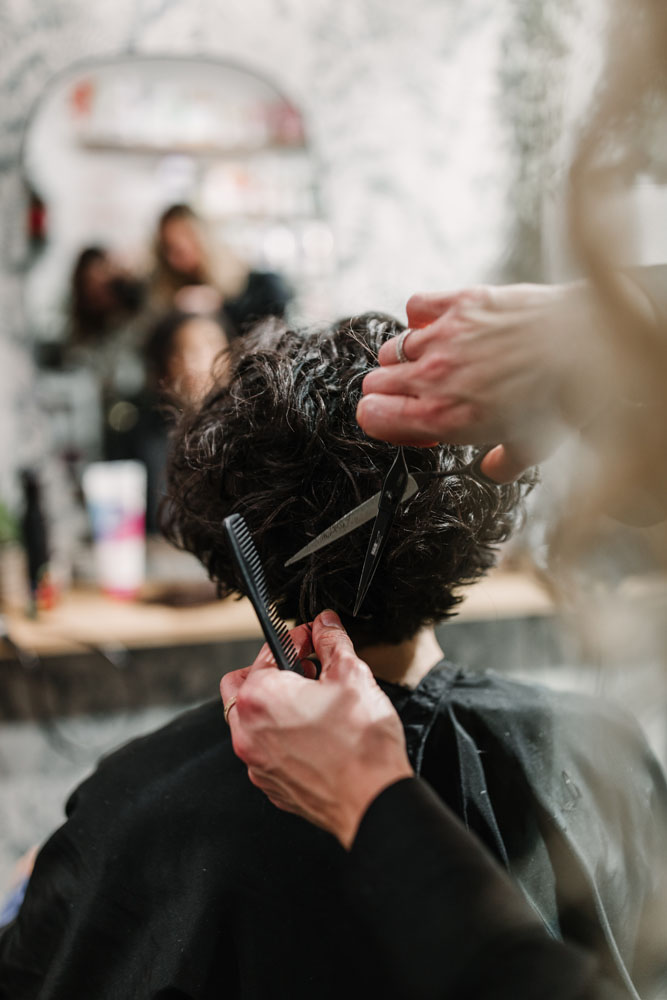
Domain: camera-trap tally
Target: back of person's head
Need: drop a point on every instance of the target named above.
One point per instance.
(180, 351)
(278, 442)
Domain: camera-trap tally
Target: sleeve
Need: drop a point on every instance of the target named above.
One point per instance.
(448, 920)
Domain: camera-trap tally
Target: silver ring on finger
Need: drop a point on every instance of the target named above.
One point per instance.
(400, 346)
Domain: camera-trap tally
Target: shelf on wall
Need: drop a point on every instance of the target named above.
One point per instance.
(109, 145)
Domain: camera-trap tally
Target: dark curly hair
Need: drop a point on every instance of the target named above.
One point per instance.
(279, 443)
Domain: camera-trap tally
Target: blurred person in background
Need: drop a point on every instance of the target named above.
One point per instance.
(179, 357)
(190, 273)
(180, 353)
(104, 324)
(522, 366)
(195, 275)
(103, 294)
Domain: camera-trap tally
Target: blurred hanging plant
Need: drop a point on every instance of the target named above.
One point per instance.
(9, 529)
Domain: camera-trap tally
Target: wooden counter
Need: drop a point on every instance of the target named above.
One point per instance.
(86, 618)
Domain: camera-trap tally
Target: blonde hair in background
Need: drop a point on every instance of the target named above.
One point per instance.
(222, 269)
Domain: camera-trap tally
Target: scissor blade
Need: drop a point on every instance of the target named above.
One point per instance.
(354, 518)
(391, 496)
(371, 562)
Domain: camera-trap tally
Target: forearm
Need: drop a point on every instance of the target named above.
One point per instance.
(446, 916)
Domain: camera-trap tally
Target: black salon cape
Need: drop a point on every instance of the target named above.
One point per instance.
(174, 877)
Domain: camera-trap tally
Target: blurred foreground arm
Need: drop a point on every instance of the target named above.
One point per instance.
(445, 917)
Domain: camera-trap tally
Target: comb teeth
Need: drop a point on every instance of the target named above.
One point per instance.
(237, 527)
(284, 638)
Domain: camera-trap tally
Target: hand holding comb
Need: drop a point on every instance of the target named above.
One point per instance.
(250, 567)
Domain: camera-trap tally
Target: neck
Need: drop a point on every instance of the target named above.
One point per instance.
(404, 662)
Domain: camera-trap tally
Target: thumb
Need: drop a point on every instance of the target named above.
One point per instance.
(505, 463)
(333, 647)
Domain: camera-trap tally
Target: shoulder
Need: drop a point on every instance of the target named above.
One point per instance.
(171, 775)
(528, 707)
(149, 852)
(601, 796)
(195, 730)
(569, 745)
(180, 785)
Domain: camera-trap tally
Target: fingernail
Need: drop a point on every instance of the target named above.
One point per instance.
(330, 619)
(368, 407)
(374, 402)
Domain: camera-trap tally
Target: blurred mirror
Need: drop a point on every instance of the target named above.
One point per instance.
(158, 186)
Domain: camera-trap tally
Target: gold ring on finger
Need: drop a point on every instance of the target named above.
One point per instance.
(228, 707)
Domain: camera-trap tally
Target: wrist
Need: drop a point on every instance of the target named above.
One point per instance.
(362, 790)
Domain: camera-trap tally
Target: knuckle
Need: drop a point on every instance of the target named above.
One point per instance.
(249, 701)
(474, 412)
(478, 295)
(482, 294)
(335, 639)
(466, 415)
(254, 777)
(350, 659)
(232, 681)
(465, 311)
(439, 409)
(246, 748)
(346, 661)
(241, 745)
(417, 301)
(225, 689)
(348, 698)
(437, 367)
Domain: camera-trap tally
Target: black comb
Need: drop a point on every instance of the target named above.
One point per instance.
(250, 567)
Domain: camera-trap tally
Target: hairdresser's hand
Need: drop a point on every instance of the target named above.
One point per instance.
(517, 364)
(322, 749)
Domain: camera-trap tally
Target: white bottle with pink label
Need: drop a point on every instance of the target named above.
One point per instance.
(115, 495)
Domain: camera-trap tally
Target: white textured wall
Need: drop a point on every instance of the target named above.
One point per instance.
(402, 106)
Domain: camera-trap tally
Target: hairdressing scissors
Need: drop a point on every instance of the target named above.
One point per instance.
(399, 485)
